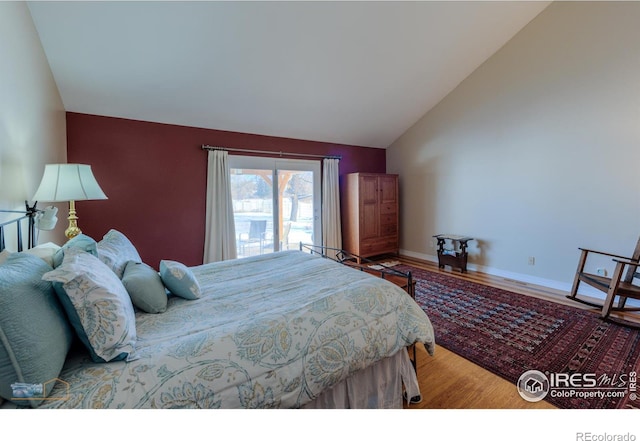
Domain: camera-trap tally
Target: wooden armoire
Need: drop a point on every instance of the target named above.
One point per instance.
(370, 214)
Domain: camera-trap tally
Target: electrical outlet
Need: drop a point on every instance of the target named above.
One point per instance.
(602, 272)
(532, 260)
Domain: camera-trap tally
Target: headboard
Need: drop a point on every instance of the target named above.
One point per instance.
(16, 225)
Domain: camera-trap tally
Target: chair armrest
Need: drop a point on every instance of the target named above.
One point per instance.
(605, 254)
(626, 261)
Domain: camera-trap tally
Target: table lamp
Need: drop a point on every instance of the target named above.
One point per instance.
(68, 182)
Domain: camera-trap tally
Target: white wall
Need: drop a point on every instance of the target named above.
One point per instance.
(32, 116)
(537, 152)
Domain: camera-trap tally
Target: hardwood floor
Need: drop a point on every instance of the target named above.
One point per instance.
(448, 381)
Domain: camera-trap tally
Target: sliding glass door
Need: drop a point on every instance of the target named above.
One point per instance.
(276, 203)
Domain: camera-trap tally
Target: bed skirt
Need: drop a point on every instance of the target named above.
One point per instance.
(380, 386)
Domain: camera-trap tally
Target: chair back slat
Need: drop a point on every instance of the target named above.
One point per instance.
(633, 269)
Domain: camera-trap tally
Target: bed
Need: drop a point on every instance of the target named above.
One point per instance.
(281, 330)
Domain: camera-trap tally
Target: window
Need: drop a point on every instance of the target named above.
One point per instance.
(276, 203)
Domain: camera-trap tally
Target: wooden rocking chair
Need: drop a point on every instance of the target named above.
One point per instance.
(615, 286)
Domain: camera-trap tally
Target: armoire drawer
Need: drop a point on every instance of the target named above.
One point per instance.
(384, 244)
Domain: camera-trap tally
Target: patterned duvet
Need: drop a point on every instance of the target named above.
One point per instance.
(270, 331)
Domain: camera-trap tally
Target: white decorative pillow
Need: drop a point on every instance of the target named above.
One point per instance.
(116, 250)
(98, 306)
(4, 255)
(46, 252)
(179, 279)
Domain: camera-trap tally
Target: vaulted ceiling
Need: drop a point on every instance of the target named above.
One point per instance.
(358, 73)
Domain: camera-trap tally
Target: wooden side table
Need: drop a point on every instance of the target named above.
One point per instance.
(452, 257)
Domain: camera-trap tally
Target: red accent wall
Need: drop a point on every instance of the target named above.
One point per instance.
(155, 176)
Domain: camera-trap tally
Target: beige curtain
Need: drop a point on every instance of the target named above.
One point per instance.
(220, 234)
(331, 229)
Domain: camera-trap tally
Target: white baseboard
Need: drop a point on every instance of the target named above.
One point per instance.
(584, 289)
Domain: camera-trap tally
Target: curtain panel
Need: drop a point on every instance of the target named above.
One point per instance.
(331, 228)
(220, 234)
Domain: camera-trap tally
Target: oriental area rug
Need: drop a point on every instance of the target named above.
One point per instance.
(562, 354)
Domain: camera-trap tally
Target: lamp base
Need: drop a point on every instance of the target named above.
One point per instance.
(72, 230)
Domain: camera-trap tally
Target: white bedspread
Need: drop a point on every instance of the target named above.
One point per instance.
(269, 331)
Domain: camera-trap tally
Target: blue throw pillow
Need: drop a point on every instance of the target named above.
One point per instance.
(82, 242)
(35, 335)
(179, 279)
(145, 287)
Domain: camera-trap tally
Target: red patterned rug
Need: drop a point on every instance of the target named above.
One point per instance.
(577, 360)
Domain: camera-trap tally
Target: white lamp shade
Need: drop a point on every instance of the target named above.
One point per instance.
(68, 182)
